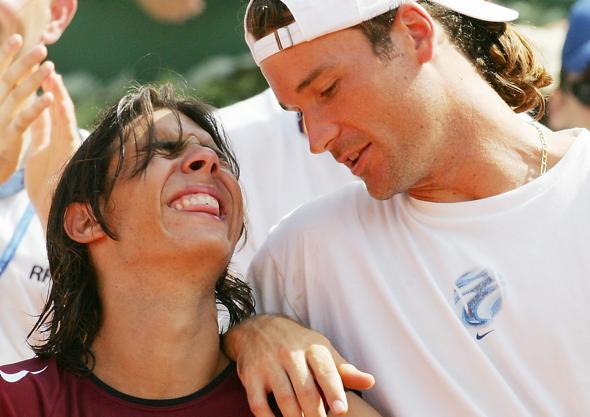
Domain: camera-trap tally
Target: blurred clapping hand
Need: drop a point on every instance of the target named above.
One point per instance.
(55, 139)
(21, 75)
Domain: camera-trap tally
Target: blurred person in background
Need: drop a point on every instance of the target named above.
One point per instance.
(172, 11)
(569, 105)
(37, 134)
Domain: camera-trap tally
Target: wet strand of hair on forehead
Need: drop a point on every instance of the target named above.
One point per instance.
(138, 102)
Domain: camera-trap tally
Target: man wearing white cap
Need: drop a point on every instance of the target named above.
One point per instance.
(457, 274)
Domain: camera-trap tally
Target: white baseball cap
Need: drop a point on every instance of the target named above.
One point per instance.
(315, 18)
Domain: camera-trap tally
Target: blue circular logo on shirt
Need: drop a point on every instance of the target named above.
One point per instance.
(478, 296)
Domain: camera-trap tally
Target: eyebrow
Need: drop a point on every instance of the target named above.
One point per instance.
(311, 77)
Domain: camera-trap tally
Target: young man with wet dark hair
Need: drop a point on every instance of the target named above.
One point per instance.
(143, 223)
(141, 231)
(454, 271)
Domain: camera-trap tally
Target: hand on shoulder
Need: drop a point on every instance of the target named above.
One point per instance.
(277, 355)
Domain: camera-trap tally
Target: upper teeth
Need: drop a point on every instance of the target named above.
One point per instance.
(198, 199)
(353, 157)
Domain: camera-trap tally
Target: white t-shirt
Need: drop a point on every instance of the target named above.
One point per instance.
(278, 173)
(465, 309)
(25, 279)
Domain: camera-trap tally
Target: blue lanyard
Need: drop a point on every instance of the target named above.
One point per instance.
(13, 185)
(16, 238)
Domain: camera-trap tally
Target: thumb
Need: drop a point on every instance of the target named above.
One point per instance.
(353, 378)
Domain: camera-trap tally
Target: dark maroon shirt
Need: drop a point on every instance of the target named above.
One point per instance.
(39, 388)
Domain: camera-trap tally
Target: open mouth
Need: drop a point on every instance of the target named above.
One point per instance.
(353, 159)
(198, 202)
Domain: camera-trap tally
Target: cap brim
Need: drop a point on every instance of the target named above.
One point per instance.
(481, 10)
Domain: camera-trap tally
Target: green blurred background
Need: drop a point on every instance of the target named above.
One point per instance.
(111, 42)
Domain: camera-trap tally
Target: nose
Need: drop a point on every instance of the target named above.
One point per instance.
(198, 158)
(319, 132)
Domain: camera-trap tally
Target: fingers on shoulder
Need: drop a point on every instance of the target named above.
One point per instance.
(279, 385)
(358, 407)
(304, 384)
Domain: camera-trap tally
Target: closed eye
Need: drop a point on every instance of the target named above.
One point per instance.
(169, 148)
(164, 148)
(330, 90)
(173, 148)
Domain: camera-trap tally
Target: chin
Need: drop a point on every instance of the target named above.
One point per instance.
(381, 191)
(218, 248)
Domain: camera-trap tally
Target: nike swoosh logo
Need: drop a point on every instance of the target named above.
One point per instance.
(479, 337)
(12, 378)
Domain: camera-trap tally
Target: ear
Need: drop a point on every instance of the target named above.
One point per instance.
(415, 21)
(80, 225)
(62, 13)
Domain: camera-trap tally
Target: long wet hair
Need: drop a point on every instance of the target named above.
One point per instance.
(72, 314)
(502, 56)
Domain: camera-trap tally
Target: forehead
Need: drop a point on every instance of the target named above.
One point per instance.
(347, 49)
(168, 125)
(167, 122)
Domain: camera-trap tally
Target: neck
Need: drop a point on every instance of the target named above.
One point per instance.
(484, 148)
(157, 344)
(480, 147)
(486, 161)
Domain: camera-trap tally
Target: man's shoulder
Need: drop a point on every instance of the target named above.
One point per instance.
(28, 387)
(316, 221)
(346, 211)
(326, 209)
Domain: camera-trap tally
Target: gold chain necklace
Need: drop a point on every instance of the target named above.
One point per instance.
(543, 148)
